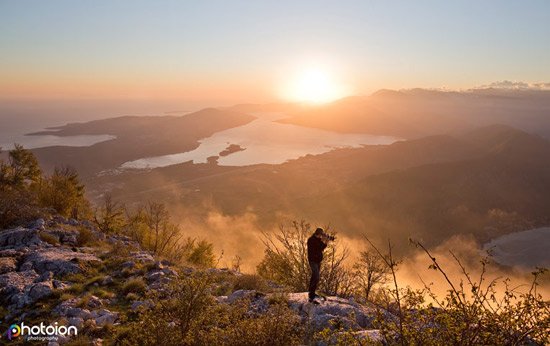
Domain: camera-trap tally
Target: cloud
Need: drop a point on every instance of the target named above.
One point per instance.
(513, 85)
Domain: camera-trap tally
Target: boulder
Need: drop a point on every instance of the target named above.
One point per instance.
(371, 336)
(19, 237)
(139, 304)
(63, 308)
(59, 284)
(38, 291)
(107, 280)
(76, 321)
(243, 294)
(170, 272)
(15, 282)
(19, 289)
(128, 264)
(105, 316)
(84, 314)
(7, 264)
(155, 276)
(46, 276)
(142, 256)
(257, 301)
(94, 302)
(65, 236)
(38, 224)
(58, 260)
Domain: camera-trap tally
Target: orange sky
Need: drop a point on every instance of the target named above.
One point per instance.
(244, 51)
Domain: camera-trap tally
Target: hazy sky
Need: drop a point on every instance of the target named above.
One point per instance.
(245, 51)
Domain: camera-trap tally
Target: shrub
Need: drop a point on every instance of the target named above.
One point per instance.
(49, 238)
(102, 293)
(135, 285)
(189, 315)
(85, 236)
(109, 217)
(250, 282)
(131, 297)
(369, 272)
(198, 253)
(470, 314)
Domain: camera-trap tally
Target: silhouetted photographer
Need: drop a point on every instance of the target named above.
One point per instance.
(315, 246)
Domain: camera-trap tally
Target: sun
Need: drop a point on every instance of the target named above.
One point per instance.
(314, 85)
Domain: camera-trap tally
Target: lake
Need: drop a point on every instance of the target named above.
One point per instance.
(264, 141)
(527, 248)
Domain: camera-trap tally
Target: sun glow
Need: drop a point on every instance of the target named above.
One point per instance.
(314, 85)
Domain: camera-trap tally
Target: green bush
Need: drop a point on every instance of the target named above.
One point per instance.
(250, 282)
(135, 285)
(49, 238)
(188, 314)
(85, 236)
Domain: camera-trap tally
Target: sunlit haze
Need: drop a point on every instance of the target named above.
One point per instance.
(314, 85)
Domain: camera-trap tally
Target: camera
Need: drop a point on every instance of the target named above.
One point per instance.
(330, 237)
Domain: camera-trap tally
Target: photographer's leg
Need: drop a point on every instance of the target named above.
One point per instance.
(314, 281)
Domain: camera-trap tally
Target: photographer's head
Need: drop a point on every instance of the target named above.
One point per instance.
(319, 232)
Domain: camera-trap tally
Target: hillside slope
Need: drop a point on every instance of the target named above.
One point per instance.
(508, 188)
(136, 137)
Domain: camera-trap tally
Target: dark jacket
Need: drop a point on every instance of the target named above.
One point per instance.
(315, 247)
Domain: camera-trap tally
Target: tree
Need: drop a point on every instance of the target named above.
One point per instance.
(109, 217)
(285, 260)
(18, 180)
(64, 192)
(199, 253)
(151, 227)
(369, 271)
(21, 170)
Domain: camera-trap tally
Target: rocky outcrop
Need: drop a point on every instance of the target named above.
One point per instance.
(35, 262)
(333, 312)
(19, 237)
(19, 289)
(16, 282)
(344, 312)
(58, 260)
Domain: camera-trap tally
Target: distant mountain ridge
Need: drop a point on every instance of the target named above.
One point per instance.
(416, 113)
